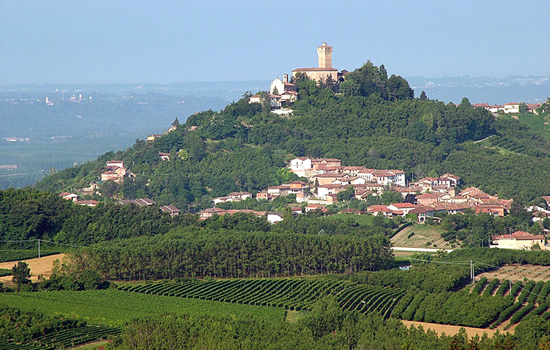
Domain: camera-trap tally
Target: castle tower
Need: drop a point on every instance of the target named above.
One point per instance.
(325, 56)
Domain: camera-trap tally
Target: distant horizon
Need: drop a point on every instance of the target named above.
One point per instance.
(269, 80)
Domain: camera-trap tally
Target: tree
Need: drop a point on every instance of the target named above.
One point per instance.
(423, 96)
(523, 107)
(21, 274)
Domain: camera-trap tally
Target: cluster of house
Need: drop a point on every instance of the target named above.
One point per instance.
(141, 202)
(326, 178)
(74, 198)
(115, 171)
(441, 199)
(508, 108)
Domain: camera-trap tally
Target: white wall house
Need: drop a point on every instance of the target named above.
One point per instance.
(301, 166)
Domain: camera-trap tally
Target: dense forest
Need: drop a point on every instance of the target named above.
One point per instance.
(374, 120)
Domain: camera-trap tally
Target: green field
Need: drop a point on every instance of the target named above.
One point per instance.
(535, 123)
(115, 308)
(290, 293)
(425, 236)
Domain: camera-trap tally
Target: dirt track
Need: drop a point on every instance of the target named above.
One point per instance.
(38, 266)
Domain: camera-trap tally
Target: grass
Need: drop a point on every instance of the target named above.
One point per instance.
(423, 234)
(535, 123)
(359, 219)
(294, 316)
(115, 308)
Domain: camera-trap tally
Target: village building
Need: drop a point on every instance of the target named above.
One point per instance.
(170, 209)
(518, 240)
(69, 196)
(164, 156)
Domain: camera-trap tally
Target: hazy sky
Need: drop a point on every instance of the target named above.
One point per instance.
(123, 41)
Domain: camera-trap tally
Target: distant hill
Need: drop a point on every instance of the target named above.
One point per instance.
(370, 119)
(529, 89)
(58, 129)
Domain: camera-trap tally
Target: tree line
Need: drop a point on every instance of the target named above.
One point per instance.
(222, 253)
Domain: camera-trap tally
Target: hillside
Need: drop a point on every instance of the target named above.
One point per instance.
(369, 120)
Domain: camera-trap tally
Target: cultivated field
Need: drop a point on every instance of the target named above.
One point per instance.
(519, 273)
(425, 236)
(38, 266)
(451, 330)
(114, 308)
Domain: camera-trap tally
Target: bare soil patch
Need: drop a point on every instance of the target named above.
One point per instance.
(452, 330)
(38, 266)
(516, 273)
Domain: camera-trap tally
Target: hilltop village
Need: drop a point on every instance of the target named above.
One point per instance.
(325, 185)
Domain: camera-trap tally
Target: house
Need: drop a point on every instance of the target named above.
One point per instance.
(208, 213)
(449, 180)
(324, 190)
(69, 196)
(88, 203)
(401, 208)
(389, 177)
(518, 240)
(511, 108)
(152, 137)
(493, 209)
(164, 156)
(255, 99)
(142, 202)
(110, 175)
(427, 198)
(274, 217)
(325, 162)
(264, 195)
(422, 213)
(379, 209)
(115, 164)
(239, 196)
(311, 207)
(301, 166)
(170, 209)
(326, 179)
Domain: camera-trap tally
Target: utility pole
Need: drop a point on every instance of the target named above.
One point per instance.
(38, 248)
(472, 271)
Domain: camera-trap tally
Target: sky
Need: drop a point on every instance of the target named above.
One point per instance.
(170, 41)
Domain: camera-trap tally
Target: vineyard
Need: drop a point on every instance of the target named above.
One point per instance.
(290, 293)
(491, 304)
(63, 339)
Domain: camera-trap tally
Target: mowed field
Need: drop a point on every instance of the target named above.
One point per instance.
(425, 236)
(516, 273)
(114, 308)
(38, 266)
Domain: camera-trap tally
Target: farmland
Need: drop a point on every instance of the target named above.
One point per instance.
(290, 293)
(517, 272)
(115, 308)
(420, 236)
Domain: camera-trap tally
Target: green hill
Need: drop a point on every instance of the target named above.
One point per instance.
(369, 119)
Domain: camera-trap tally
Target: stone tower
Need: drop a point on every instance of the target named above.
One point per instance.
(325, 56)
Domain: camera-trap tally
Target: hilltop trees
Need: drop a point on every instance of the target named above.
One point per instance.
(370, 80)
